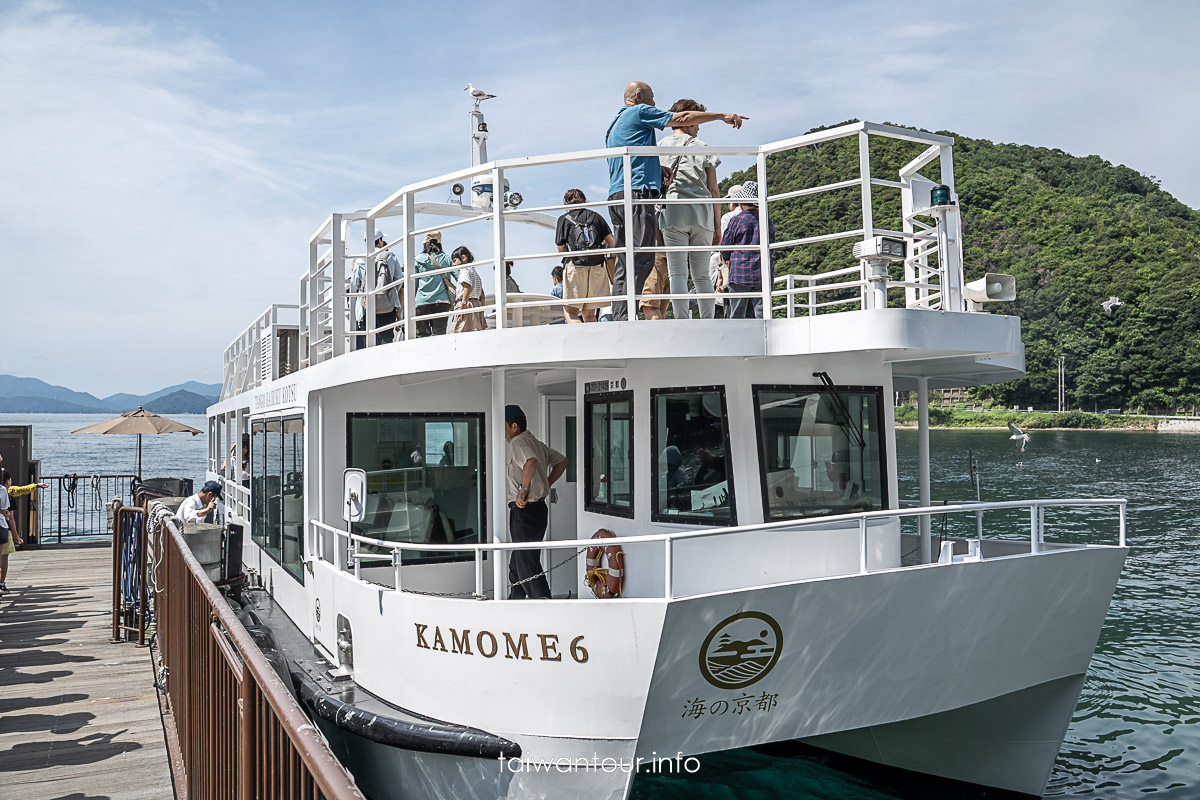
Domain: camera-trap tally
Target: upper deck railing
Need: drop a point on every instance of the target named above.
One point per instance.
(267, 349)
(931, 275)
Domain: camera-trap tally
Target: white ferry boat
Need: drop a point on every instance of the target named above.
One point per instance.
(773, 587)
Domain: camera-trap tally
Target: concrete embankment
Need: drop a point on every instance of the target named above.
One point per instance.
(1178, 426)
(1142, 424)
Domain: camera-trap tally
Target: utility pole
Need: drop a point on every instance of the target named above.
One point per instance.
(1062, 383)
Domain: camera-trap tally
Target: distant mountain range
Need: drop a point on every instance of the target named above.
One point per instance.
(33, 396)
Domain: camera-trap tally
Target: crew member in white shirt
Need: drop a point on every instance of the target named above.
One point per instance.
(200, 506)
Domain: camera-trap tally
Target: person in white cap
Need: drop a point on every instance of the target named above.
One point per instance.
(387, 303)
(745, 262)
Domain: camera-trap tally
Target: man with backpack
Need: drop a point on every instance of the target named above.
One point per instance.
(584, 276)
(387, 303)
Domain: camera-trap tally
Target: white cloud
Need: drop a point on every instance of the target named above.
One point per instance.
(160, 181)
(131, 210)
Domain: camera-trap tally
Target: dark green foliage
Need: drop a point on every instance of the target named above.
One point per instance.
(940, 416)
(1073, 231)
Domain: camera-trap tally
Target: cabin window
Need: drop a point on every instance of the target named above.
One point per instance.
(277, 488)
(820, 451)
(425, 479)
(608, 438)
(693, 481)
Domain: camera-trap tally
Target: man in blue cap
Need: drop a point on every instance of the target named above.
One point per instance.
(200, 506)
(528, 485)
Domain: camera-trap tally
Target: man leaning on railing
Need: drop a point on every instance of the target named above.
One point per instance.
(634, 126)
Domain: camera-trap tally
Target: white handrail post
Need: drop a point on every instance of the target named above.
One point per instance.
(764, 236)
(397, 560)
(478, 572)
(812, 297)
(498, 249)
(369, 286)
(630, 269)
(357, 560)
(979, 527)
(950, 236)
(668, 569)
(499, 480)
(862, 545)
(791, 296)
(337, 269)
(1033, 528)
(868, 294)
(923, 521)
(409, 268)
(310, 298)
(1121, 530)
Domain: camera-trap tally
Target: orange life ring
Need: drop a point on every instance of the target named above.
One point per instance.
(605, 582)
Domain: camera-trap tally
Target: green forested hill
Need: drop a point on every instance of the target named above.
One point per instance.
(1072, 230)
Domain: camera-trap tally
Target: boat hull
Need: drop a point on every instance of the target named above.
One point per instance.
(1009, 742)
(968, 671)
(384, 772)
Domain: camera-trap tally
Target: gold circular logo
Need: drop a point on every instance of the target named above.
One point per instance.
(741, 650)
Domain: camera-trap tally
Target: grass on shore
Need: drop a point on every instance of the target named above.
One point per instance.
(1026, 420)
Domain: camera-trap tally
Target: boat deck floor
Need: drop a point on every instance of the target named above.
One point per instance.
(79, 716)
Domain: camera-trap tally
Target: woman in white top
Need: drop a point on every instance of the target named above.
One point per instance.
(691, 224)
(470, 293)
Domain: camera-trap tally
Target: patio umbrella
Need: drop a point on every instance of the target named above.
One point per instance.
(139, 422)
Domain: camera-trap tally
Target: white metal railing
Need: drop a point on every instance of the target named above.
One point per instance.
(237, 499)
(243, 359)
(351, 555)
(932, 268)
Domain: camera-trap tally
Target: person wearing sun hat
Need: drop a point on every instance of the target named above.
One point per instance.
(433, 291)
(528, 486)
(745, 263)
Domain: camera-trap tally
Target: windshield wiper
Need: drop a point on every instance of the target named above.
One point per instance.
(840, 405)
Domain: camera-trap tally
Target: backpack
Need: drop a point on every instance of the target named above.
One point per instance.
(384, 301)
(583, 236)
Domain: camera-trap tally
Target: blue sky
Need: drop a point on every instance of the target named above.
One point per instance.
(163, 164)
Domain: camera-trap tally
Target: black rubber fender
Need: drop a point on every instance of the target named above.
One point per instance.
(431, 736)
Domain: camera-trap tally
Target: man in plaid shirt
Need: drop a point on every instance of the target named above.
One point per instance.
(745, 266)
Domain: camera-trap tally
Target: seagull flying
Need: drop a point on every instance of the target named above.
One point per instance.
(1111, 304)
(478, 95)
(1020, 435)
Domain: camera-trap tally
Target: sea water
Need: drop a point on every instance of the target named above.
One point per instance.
(1136, 729)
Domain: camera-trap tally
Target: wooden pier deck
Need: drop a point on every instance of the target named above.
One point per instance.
(79, 716)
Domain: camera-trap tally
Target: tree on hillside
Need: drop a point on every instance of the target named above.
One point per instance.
(1072, 230)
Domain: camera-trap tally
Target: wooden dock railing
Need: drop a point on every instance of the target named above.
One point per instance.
(241, 734)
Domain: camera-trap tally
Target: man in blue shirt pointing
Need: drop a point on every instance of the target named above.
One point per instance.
(634, 127)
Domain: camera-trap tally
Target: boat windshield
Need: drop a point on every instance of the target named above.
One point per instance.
(820, 454)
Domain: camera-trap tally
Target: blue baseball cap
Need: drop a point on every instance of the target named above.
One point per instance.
(512, 412)
(212, 486)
